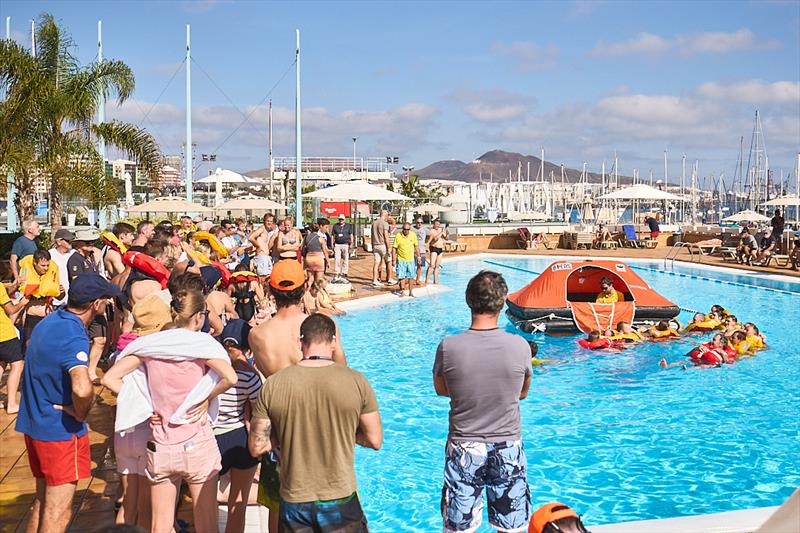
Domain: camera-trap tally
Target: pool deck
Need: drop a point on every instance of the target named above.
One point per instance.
(94, 502)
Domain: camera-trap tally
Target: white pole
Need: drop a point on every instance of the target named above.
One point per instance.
(11, 208)
(189, 161)
(298, 198)
(542, 165)
(271, 160)
(683, 185)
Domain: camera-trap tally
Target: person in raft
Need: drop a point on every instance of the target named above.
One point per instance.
(608, 294)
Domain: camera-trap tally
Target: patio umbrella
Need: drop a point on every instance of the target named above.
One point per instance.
(230, 177)
(789, 199)
(431, 208)
(641, 192)
(746, 216)
(355, 191)
(168, 204)
(250, 202)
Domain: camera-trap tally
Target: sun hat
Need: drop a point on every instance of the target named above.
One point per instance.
(547, 513)
(287, 275)
(150, 315)
(65, 234)
(90, 286)
(86, 235)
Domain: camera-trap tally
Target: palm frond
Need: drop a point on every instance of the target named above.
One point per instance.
(109, 78)
(136, 142)
(54, 50)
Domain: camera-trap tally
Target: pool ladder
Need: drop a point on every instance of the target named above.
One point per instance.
(673, 254)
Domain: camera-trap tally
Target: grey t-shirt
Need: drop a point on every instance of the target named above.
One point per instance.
(378, 236)
(484, 371)
(421, 232)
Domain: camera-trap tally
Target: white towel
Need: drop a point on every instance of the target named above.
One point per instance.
(134, 404)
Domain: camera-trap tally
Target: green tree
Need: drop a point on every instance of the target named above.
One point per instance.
(46, 119)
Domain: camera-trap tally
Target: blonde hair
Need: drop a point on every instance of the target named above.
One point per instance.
(185, 304)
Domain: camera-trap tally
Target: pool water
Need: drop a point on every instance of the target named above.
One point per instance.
(611, 434)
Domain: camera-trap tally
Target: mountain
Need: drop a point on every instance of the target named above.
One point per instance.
(497, 164)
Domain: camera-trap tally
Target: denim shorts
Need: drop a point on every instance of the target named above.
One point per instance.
(500, 468)
(343, 516)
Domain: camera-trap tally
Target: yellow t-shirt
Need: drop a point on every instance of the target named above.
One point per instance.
(7, 329)
(405, 246)
(614, 298)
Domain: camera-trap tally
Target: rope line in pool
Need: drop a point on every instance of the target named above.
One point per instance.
(704, 278)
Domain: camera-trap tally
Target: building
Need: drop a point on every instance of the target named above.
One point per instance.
(169, 177)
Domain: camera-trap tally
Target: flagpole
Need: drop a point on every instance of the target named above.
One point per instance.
(11, 193)
(298, 198)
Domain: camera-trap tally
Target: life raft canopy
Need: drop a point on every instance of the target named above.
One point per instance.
(567, 290)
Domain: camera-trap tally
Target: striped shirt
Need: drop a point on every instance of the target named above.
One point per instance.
(232, 401)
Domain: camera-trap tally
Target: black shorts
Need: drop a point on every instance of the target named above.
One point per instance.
(98, 327)
(11, 351)
(30, 323)
(437, 250)
(234, 452)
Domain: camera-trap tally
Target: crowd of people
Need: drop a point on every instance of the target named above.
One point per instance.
(758, 251)
(227, 377)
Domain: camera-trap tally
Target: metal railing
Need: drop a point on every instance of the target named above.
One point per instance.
(335, 164)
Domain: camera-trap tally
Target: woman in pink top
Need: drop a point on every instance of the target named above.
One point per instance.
(187, 451)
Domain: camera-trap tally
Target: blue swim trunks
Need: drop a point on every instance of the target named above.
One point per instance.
(500, 467)
(341, 516)
(406, 269)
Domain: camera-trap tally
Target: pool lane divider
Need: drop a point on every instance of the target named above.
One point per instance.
(722, 281)
(519, 269)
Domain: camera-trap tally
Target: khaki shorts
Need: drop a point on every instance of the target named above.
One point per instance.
(379, 253)
(196, 460)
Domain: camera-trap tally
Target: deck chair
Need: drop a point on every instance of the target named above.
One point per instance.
(781, 260)
(524, 239)
(550, 243)
(631, 239)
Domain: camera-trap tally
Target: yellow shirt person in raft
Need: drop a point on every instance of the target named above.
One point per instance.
(608, 294)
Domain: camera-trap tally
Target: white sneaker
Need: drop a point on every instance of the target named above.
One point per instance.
(377, 284)
(392, 282)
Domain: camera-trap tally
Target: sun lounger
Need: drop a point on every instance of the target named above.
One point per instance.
(780, 260)
(634, 241)
(701, 250)
(524, 239)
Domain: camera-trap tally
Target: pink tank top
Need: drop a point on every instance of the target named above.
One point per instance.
(170, 382)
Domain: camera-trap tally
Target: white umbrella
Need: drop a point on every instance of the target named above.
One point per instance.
(250, 203)
(355, 191)
(746, 216)
(431, 208)
(227, 176)
(640, 192)
(168, 204)
(789, 199)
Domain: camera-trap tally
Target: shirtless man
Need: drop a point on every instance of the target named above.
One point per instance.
(435, 242)
(144, 230)
(262, 239)
(112, 259)
(220, 306)
(287, 241)
(276, 345)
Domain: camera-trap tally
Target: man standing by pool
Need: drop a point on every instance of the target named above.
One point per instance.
(380, 248)
(343, 241)
(56, 397)
(405, 252)
(485, 372)
(422, 235)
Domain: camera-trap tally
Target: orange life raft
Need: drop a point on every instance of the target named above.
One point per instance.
(562, 299)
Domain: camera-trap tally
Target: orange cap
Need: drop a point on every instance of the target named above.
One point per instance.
(287, 275)
(545, 514)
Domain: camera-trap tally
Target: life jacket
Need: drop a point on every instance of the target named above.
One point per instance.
(756, 342)
(742, 348)
(226, 274)
(148, 265)
(45, 286)
(245, 301)
(704, 325)
(633, 336)
(212, 241)
(706, 354)
(602, 342)
(111, 240)
(658, 335)
(241, 276)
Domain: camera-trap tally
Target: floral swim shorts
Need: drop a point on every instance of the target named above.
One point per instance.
(500, 467)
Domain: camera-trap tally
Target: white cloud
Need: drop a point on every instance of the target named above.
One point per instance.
(753, 91)
(584, 8)
(686, 44)
(528, 55)
(493, 105)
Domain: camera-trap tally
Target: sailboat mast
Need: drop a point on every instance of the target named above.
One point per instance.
(298, 198)
(189, 159)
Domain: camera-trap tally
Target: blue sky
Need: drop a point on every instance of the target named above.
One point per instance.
(450, 80)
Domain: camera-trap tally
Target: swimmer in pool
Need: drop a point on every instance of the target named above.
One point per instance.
(662, 331)
(625, 331)
(535, 361)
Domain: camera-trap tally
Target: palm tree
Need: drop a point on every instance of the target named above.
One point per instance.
(47, 121)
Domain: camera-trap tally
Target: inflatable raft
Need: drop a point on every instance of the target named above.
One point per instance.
(562, 299)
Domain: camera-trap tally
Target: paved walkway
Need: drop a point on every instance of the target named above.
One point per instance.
(94, 502)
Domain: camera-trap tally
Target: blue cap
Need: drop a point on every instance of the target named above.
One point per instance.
(211, 276)
(236, 331)
(90, 286)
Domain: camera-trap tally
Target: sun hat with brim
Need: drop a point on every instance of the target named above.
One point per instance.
(547, 513)
(150, 315)
(287, 275)
(86, 235)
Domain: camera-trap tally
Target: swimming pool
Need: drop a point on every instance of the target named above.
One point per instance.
(611, 434)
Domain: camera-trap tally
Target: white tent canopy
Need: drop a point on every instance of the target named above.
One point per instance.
(789, 199)
(355, 191)
(168, 204)
(746, 216)
(431, 208)
(641, 191)
(250, 202)
(227, 177)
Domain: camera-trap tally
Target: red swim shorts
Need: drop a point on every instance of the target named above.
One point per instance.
(60, 462)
